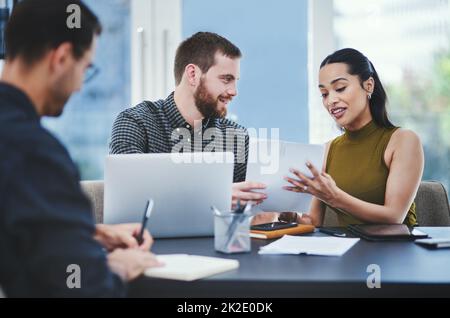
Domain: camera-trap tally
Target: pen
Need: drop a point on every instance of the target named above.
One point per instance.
(216, 211)
(239, 216)
(238, 207)
(147, 212)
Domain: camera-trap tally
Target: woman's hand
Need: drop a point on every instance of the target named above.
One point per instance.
(288, 217)
(321, 185)
(265, 217)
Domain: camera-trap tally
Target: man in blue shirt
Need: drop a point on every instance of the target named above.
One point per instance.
(47, 232)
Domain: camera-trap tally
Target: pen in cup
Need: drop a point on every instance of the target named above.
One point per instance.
(239, 216)
(147, 212)
(216, 211)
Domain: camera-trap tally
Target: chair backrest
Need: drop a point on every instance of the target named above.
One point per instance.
(330, 218)
(94, 192)
(432, 206)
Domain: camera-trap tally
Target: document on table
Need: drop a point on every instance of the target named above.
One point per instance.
(324, 246)
(269, 162)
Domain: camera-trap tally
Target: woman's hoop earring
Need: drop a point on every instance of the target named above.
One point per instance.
(369, 96)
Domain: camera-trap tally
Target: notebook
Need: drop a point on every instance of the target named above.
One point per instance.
(190, 267)
(299, 229)
(386, 232)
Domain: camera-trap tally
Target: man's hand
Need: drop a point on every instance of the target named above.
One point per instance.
(243, 192)
(122, 236)
(131, 263)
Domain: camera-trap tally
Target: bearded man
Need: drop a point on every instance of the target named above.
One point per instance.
(192, 118)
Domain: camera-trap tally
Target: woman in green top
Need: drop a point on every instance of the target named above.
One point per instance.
(371, 172)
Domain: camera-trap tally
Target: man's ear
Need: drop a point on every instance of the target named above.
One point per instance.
(369, 85)
(192, 73)
(61, 56)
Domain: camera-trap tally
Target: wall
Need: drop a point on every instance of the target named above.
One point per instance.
(273, 89)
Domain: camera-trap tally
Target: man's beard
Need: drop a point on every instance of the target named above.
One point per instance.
(59, 94)
(206, 104)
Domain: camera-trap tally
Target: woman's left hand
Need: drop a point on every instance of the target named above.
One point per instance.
(321, 185)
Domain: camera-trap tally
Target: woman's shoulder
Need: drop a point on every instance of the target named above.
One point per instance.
(404, 140)
(405, 144)
(402, 136)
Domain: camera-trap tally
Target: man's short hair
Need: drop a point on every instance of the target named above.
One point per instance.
(200, 49)
(37, 26)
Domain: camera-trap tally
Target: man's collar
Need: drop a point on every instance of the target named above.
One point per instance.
(176, 120)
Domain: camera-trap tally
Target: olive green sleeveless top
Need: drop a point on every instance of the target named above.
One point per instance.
(356, 162)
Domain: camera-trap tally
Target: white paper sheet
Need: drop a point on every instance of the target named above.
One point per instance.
(324, 246)
(269, 162)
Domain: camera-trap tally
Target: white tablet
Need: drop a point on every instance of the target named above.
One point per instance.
(269, 162)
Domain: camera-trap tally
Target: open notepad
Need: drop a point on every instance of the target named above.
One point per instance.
(190, 267)
(324, 246)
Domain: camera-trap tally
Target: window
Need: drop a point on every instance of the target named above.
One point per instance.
(272, 35)
(408, 42)
(135, 57)
(85, 125)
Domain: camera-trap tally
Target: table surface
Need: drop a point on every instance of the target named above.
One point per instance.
(407, 270)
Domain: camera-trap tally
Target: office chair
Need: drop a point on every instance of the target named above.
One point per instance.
(432, 206)
(94, 192)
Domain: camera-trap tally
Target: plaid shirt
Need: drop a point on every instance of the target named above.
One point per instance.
(159, 127)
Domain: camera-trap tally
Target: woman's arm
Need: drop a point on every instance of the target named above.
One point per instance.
(316, 214)
(405, 173)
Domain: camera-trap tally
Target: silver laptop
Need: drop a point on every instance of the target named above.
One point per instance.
(182, 185)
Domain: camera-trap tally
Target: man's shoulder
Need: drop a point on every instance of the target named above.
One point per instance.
(29, 139)
(33, 148)
(22, 137)
(17, 131)
(226, 123)
(145, 109)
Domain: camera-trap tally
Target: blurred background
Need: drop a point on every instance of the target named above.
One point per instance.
(283, 43)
